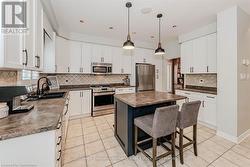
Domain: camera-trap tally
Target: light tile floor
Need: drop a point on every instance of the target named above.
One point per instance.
(90, 142)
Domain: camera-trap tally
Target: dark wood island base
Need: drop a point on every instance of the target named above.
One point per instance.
(130, 106)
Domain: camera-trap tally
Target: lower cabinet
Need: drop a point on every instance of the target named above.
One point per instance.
(125, 90)
(80, 103)
(208, 111)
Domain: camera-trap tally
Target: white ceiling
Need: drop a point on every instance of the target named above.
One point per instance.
(99, 15)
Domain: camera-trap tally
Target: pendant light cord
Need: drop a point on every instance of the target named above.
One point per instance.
(159, 30)
(128, 22)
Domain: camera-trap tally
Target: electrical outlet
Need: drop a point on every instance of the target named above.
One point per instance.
(201, 81)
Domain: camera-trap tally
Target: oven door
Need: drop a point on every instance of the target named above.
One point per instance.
(103, 101)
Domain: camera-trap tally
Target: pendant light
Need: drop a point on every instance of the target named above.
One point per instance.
(128, 44)
(159, 50)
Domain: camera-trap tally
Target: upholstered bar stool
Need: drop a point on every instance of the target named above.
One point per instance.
(188, 117)
(158, 125)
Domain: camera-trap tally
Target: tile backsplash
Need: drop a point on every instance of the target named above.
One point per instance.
(205, 80)
(83, 79)
(8, 78)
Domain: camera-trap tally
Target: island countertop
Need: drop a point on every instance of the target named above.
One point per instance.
(141, 99)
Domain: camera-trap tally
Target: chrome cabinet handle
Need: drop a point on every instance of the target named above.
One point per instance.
(59, 125)
(59, 140)
(55, 68)
(207, 68)
(68, 69)
(26, 57)
(210, 97)
(37, 65)
(60, 154)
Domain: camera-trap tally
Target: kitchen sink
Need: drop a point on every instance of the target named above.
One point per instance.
(51, 95)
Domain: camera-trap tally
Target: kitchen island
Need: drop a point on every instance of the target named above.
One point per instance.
(132, 105)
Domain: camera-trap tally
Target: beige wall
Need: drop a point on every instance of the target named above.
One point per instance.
(243, 84)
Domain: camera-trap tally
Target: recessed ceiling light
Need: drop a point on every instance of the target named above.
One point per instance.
(146, 10)
(111, 28)
(81, 21)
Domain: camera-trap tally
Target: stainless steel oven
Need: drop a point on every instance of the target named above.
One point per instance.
(101, 68)
(103, 98)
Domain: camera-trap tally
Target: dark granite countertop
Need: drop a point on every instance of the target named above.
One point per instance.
(147, 98)
(44, 117)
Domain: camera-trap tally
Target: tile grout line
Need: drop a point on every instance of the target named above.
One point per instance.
(85, 156)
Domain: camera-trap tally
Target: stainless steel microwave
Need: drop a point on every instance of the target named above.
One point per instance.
(101, 68)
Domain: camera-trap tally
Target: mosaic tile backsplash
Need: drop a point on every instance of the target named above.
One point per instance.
(206, 80)
(8, 78)
(83, 79)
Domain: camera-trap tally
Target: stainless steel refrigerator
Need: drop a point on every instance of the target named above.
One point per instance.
(145, 77)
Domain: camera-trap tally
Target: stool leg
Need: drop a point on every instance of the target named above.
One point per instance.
(181, 146)
(173, 149)
(136, 137)
(195, 139)
(154, 152)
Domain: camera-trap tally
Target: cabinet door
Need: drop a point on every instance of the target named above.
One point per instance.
(75, 103)
(86, 57)
(126, 62)
(62, 55)
(210, 110)
(116, 59)
(75, 56)
(97, 54)
(39, 36)
(86, 102)
(201, 115)
(200, 55)
(13, 52)
(212, 53)
(186, 57)
(158, 72)
(29, 38)
(106, 54)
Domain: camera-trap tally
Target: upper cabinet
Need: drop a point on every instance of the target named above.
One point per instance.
(75, 57)
(199, 55)
(62, 55)
(101, 54)
(24, 51)
(122, 61)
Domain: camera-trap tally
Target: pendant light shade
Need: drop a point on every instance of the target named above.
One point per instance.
(159, 50)
(128, 44)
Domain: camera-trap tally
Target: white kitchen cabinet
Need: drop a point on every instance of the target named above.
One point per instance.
(62, 55)
(199, 64)
(212, 53)
(101, 54)
(186, 57)
(143, 55)
(125, 90)
(157, 61)
(75, 56)
(207, 112)
(86, 57)
(199, 55)
(18, 50)
(122, 61)
(80, 103)
(38, 61)
(210, 104)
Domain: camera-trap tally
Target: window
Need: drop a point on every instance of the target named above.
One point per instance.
(29, 75)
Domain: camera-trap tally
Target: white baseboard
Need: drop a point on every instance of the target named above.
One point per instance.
(227, 136)
(207, 125)
(234, 139)
(79, 116)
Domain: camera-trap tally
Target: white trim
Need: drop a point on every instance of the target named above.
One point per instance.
(227, 136)
(243, 136)
(208, 125)
(79, 116)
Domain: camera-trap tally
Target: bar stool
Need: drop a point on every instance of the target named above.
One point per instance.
(158, 125)
(188, 117)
